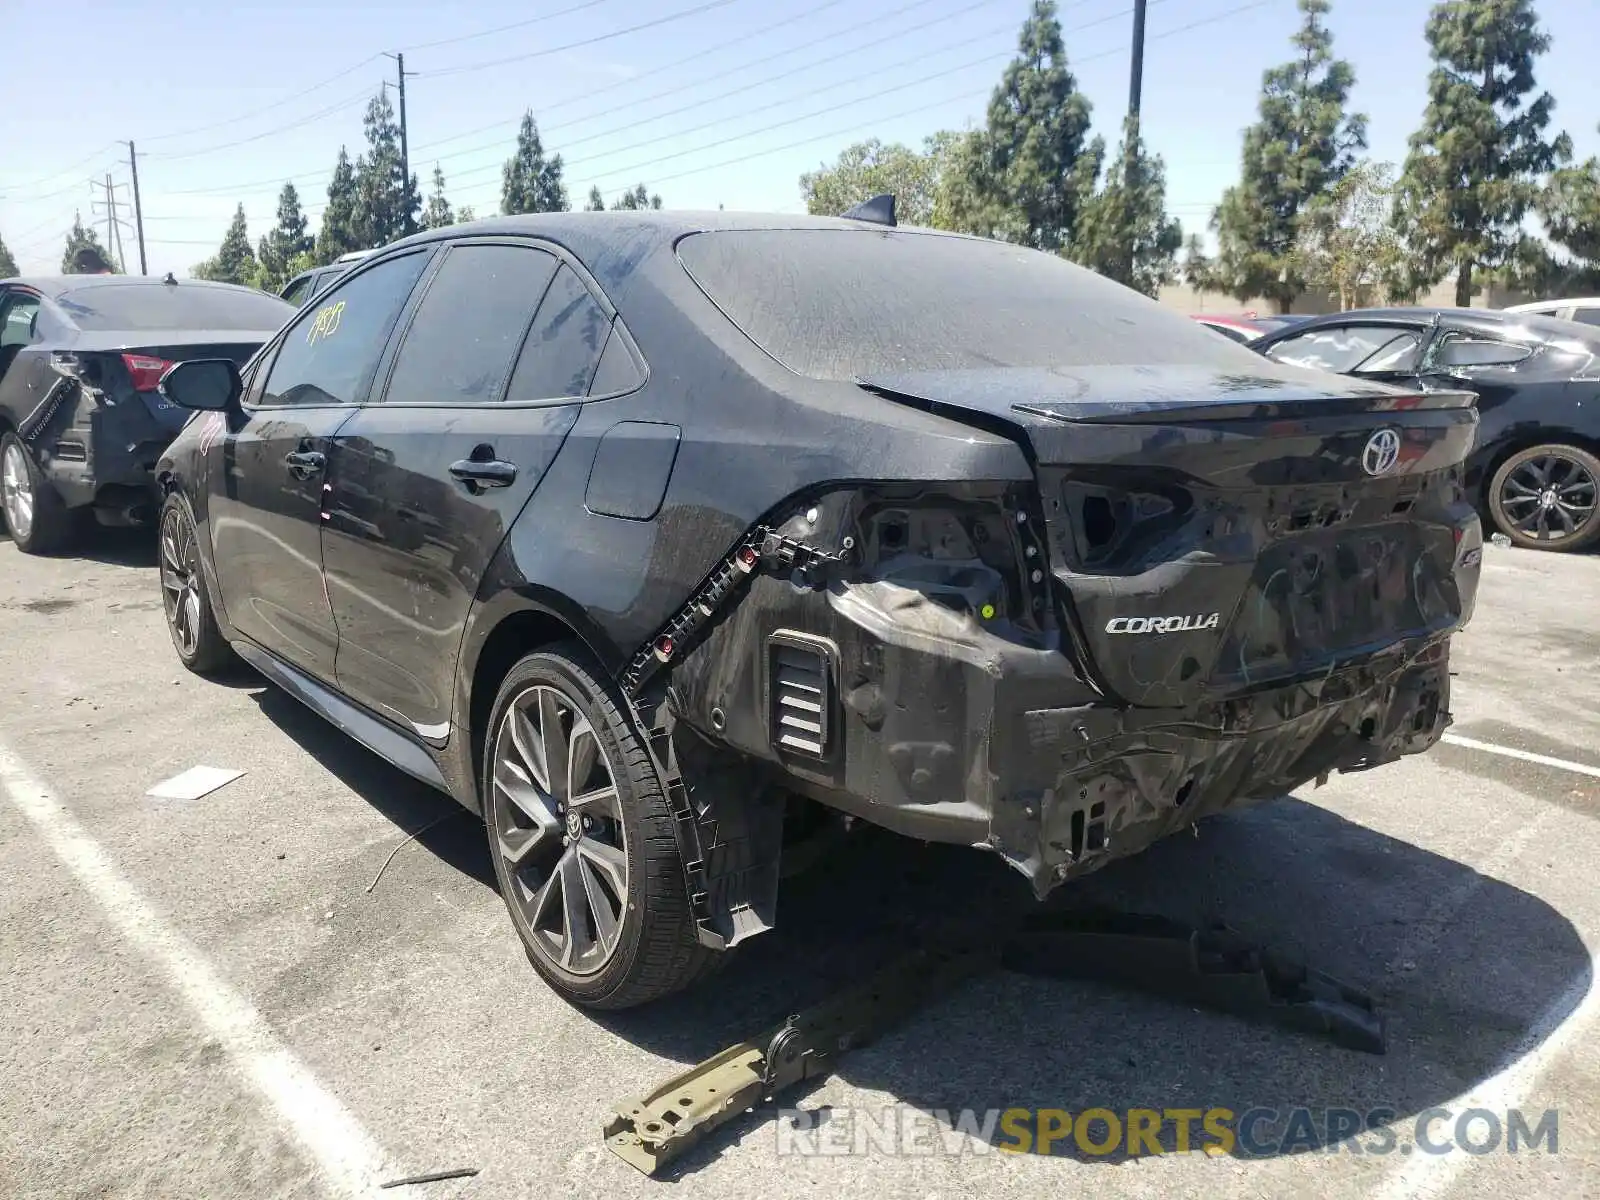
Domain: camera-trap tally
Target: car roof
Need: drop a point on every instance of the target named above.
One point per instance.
(624, 226)
(1481, 320)
(56, 286)
(1544, 305)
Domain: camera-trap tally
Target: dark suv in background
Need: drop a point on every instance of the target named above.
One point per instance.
(635, 532)
(81, 420)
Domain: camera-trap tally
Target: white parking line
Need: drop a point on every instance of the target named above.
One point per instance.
(1544, 760)
(1569, 1017)
(336, 1142)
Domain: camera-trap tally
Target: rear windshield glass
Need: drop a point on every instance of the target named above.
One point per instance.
(167, 306)
(843, 303)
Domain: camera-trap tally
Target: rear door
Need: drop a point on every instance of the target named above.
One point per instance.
(266, 502)
(481, 393)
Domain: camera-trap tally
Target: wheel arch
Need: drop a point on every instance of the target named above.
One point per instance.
(1519, 440)
(504, 631)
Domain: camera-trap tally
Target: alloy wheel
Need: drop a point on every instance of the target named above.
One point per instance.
(1549, 498)
(180, 581)
(558, 830)
(16, 492)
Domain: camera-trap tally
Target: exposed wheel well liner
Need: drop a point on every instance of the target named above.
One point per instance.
(518, 634)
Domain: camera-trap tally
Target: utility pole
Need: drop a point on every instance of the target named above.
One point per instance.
(111, 216)
(138, 213)
(1135, 89)
(405, 150)
(114, 221)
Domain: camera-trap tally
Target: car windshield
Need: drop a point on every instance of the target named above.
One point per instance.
(172, 306)
(845, 303)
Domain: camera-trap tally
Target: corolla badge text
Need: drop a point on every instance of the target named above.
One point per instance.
(1163, 624)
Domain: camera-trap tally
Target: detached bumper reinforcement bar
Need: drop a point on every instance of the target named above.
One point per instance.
(1212, 966)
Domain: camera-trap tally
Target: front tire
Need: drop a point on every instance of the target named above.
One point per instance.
(1544, 498)
(582, 840)
(185, 598)
(36, 517)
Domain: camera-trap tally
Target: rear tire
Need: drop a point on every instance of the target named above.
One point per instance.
(185, 598)
(38, 520)
(582, 840)
(1544, 498)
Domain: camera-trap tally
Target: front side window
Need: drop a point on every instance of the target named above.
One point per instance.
(298, 291)
(1348, 348)
(467, 330)
(333, 347)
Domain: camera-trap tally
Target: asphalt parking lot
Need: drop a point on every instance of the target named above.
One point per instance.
(212, 998)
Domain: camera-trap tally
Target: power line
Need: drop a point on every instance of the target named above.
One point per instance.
(897, 35)
(467, 37)
(43, 179)
(589, 41)
(349, 102)
(879, 118)
(899, 87)
(699, 54)
(274, 107)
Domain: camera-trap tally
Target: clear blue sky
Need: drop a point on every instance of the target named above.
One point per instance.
(224, 101)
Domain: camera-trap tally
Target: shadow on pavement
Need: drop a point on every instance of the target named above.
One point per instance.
(1464, 966)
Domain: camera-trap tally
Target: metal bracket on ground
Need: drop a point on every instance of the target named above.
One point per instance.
(1211, 965)
(656, 1128)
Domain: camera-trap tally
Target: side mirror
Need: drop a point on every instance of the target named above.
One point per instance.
(203, 384)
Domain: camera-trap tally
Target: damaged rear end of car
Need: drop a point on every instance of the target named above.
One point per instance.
(1223, 580)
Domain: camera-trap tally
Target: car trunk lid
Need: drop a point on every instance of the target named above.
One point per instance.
(1213, 533)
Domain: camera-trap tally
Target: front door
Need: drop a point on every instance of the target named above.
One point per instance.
(483, 389)
(266, 502)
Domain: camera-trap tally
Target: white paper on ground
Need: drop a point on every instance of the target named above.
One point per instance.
(194, 783)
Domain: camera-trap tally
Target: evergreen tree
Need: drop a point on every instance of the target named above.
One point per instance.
(1197, 271)
(530, 183)
(639, 198)
(81, 238)
(437, 215)
(596, 202)
(1303, 144)
(386, 201)
(338, 233)
(1021, 178)
(1123, 230)
(285, 244)
(1477, 163)
(234, 262)
(8, 265)
(1570, 210)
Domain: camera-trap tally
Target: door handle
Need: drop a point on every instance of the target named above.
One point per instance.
(483, 473)
(303, 464)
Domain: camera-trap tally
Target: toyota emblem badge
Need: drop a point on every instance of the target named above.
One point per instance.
(1382, 452)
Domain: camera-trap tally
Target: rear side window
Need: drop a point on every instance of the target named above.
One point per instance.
(1347, 348)
(1587, 316)
(138, 306)
(563, 348)
(845, 303)
(331, 351)
(469, 326)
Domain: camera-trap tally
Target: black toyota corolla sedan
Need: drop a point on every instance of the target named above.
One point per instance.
(81, 421)
(637, 532)
(1534, 468)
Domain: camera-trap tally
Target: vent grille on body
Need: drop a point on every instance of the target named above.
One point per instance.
(800, 689)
